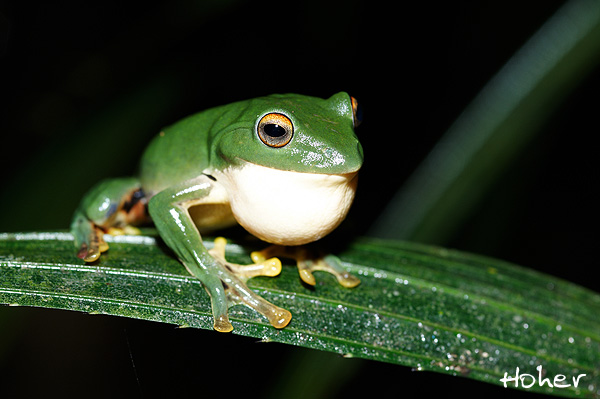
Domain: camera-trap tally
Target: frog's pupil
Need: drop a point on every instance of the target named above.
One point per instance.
(274, 130)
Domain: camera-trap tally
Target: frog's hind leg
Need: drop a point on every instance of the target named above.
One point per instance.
(113, 206)
(308, 263)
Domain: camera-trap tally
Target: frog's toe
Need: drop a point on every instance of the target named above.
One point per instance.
(261, 256)
(305, 270)
(87, 254)
(265, 267)
(278, 317)
(269, 268)
(271, 265)
(219, 303)
(222, 324)
(333, 265)
(92, 244)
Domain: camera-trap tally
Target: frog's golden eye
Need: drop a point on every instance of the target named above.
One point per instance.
(275, 130)
(356, 112)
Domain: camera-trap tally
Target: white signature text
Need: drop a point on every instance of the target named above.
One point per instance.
(529, 380)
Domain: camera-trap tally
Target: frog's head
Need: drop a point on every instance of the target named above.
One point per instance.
(291, 165)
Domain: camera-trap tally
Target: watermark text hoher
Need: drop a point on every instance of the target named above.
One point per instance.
(529, 380)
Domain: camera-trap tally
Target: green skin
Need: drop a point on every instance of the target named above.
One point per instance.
(189, 163)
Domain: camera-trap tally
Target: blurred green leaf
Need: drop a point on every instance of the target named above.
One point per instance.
(495, 128)
(421, 306)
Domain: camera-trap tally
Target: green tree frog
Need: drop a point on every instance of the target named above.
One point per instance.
(282, 166)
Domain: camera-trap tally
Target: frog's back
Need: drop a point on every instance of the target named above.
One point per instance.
(180, 152)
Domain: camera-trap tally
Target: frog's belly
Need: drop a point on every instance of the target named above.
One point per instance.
(208, 217)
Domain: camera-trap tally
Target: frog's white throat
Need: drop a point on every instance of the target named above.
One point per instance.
(286, 207)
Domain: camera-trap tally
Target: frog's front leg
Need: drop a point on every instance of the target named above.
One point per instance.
(308, 263)
(224, 281)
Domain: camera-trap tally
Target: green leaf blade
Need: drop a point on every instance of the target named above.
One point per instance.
(424, 307)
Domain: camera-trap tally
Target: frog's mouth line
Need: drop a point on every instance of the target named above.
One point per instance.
(286, 207)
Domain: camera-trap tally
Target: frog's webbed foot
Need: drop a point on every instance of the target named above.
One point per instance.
(232, 278)
(308, 263)
(89, 239)
(266, 267)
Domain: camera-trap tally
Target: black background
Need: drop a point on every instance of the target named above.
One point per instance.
(77, 77)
